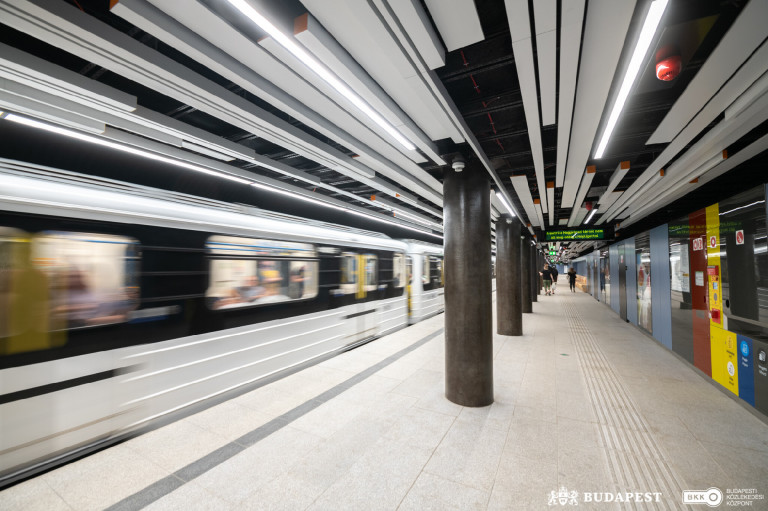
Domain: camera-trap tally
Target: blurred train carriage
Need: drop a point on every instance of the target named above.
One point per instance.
(123, 307)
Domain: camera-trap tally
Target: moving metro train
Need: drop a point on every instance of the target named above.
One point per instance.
(124, 307)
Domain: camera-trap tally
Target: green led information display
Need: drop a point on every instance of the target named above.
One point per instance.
(576, 235)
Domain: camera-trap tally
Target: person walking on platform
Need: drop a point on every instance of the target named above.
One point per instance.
(546, 275)
(572, 279)
(554, 277)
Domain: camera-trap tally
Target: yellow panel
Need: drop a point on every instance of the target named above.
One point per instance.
(722, 342)
(724, 361)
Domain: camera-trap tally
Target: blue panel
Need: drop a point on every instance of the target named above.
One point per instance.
(746, 370)
(613, 255)
(629, 251)
(594, 261)
(661, 286)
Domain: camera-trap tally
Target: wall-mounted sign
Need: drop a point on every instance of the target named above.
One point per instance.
(740, 237)
(578, 235)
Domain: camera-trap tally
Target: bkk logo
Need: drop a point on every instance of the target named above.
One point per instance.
(565, 498)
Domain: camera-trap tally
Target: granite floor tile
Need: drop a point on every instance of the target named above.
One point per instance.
(469, 454)
(431, 492)
(32, 495)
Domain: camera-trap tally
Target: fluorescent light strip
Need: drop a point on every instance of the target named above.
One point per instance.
(505, 204)
(327, 204)
(95, 140)
(398, 212)
(650, 25)
(322, 72)
(120, 147)
(591, 214)
(742, 207)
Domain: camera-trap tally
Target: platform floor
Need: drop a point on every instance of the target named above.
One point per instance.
(582, 401)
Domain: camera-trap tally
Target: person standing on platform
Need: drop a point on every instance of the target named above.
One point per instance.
(554, 277)
(572, 279)
(546, 275)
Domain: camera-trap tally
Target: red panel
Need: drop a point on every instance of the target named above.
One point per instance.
(702, 357)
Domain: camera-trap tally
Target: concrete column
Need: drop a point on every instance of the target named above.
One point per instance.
(468, 314)
(509, 312)
(525, 275)
(533, 272)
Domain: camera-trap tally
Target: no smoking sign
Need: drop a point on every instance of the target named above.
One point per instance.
(713, 241)
(740, 237)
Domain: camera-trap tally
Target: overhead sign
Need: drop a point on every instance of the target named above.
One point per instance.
(577, 235)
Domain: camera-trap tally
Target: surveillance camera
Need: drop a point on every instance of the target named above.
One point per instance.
(458, 165)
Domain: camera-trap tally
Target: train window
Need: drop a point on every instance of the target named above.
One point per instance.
(92, 279)
(348, 273)
(246, 272)
(398, 270)
(438, 276)
(425, 278)
(371, 271)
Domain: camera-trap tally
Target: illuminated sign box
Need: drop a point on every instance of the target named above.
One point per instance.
(577, 235)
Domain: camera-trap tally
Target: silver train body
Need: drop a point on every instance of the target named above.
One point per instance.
(54, 409)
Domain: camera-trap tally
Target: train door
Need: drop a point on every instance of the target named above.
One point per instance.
(368, 320)
(409, 283)
(622, 283)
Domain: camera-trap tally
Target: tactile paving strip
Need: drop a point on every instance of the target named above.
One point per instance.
(635, 459)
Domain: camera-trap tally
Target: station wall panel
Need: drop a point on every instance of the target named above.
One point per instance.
(660, 279)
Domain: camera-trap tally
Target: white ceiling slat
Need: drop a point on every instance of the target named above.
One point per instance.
(743, 37)
(621, 170)
(358, 28)
(148, 17)
(551, 201)
(207, 24)
(416, 22)
(607, 200)
(385, 159)
(339, 110)
(72, 30)
(44, 111)
(577, 217)
(545, 16)
(64, 22)
(586, 183)
(563, 221)
(725, 133)
(457, 21)
(745, 78)
(675, 184)
(604, 33)
(58, 81)
(323, 46)
(539, 215)
(522, 47)
(520, 184)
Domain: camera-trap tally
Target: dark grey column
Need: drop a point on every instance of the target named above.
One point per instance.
(534, 274)
(468, 314)
(525, 275)
(509, 312)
